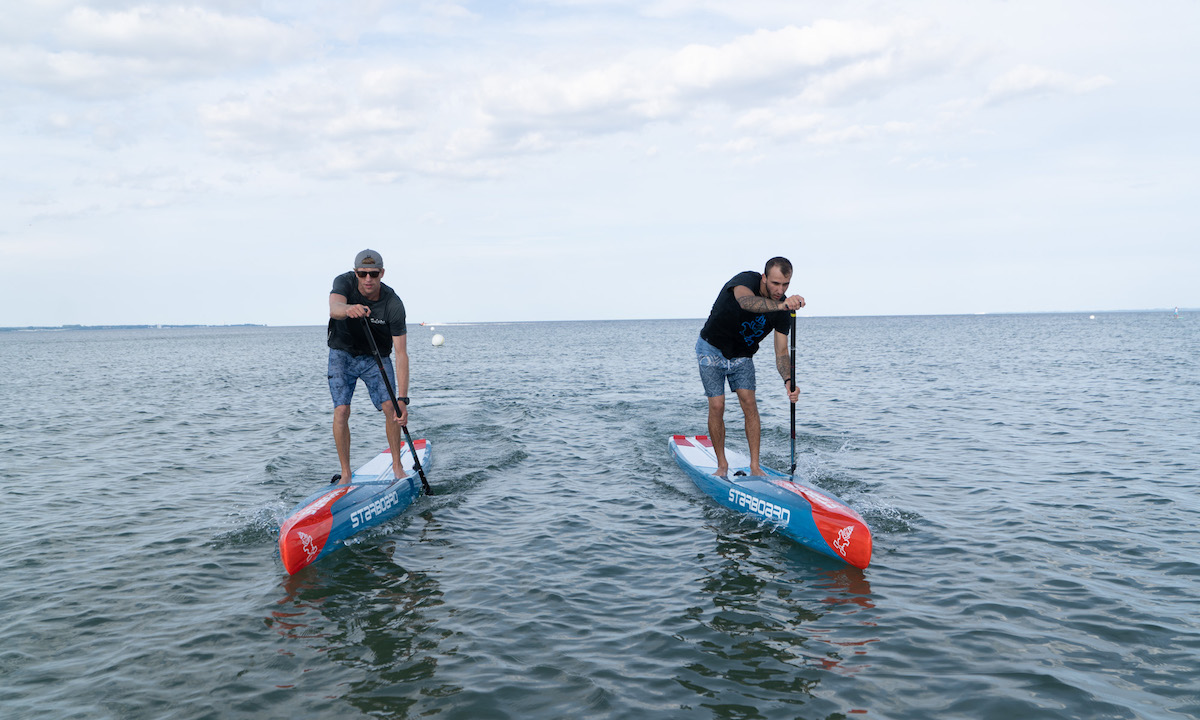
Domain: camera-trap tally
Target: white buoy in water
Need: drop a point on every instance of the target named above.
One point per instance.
(438, 340)
(1091, 317)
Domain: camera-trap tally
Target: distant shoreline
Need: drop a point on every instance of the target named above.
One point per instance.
(60, 328)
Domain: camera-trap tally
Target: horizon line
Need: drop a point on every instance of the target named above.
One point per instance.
(119, 326)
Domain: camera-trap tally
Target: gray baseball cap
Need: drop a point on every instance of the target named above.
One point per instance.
(369, 259)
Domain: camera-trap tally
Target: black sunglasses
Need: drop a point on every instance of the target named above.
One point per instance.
(365, 273)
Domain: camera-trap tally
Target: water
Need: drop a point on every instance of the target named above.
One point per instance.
(1031, 482)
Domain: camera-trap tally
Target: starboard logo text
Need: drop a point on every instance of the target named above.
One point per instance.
(758, 506)
(363, 515)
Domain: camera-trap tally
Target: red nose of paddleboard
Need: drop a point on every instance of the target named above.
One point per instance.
(839, 525)
(842, 528)
(304, 534)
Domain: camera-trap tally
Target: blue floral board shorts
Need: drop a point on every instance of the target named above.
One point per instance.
(345, 370)
(715, 368)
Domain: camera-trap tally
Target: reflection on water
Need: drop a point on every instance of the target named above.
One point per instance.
(386, 635)
(757, 626)
(758, 630)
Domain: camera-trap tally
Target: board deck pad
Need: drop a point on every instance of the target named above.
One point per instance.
(811, 517)
(322, 522)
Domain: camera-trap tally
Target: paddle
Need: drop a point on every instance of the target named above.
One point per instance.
(396, 404)
(793, 381)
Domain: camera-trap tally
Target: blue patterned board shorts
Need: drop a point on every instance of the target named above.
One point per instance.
(715, 368)
(346, 369)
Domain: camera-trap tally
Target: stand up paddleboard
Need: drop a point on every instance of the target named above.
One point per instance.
(815, 519)
(326, 519)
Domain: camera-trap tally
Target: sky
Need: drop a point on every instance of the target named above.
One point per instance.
(220, 161)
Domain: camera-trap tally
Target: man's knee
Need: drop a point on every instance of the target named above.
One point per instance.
(716, 405)
(341, 413)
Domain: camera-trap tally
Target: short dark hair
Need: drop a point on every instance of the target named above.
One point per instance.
(784, 265)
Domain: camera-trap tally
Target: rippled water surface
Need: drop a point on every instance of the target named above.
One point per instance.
(1032, 482)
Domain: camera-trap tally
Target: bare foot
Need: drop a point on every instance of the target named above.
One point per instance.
(722, 471)
(757, 471)
(398, 471)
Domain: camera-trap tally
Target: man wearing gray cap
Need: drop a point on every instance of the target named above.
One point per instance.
(357, 294)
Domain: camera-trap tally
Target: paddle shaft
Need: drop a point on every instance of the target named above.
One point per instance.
(396, 405)
(793, 382)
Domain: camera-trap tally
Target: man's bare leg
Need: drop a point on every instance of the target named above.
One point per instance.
(753, 427)
(716, 432)
(395, 438)
(341, 439)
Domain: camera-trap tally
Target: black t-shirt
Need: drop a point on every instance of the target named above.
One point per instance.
(736, 332)
(387, 319)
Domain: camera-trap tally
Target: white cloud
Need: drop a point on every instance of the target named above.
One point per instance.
(779, 124)
(388, 116)
(174, 32)
(650, 86)
(813, 63)
(91, 53)
(860, 133)
(396, 82)
(432, 119)
(1030, 80)
(766, 55)
(448, 10)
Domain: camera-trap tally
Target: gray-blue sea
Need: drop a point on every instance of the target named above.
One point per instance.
(1032, 483)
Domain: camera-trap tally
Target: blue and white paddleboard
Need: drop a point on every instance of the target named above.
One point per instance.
(811, 517)
(326, 519)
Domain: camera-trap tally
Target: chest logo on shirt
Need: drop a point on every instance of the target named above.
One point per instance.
(753, 329)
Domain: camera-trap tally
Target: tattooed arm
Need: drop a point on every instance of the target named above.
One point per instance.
(783, 359)
(783, 363)
(754, 303)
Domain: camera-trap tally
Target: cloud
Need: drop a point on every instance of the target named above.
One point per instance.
(649, 87)
(860, 133)
(768, 55)
(389, 118)
(92, 53)
(816, 63)
(1030, 80)
(285, 92)
(342, 118)
(172, 33)
(264, 88)
(777, 123)
(783, 125)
